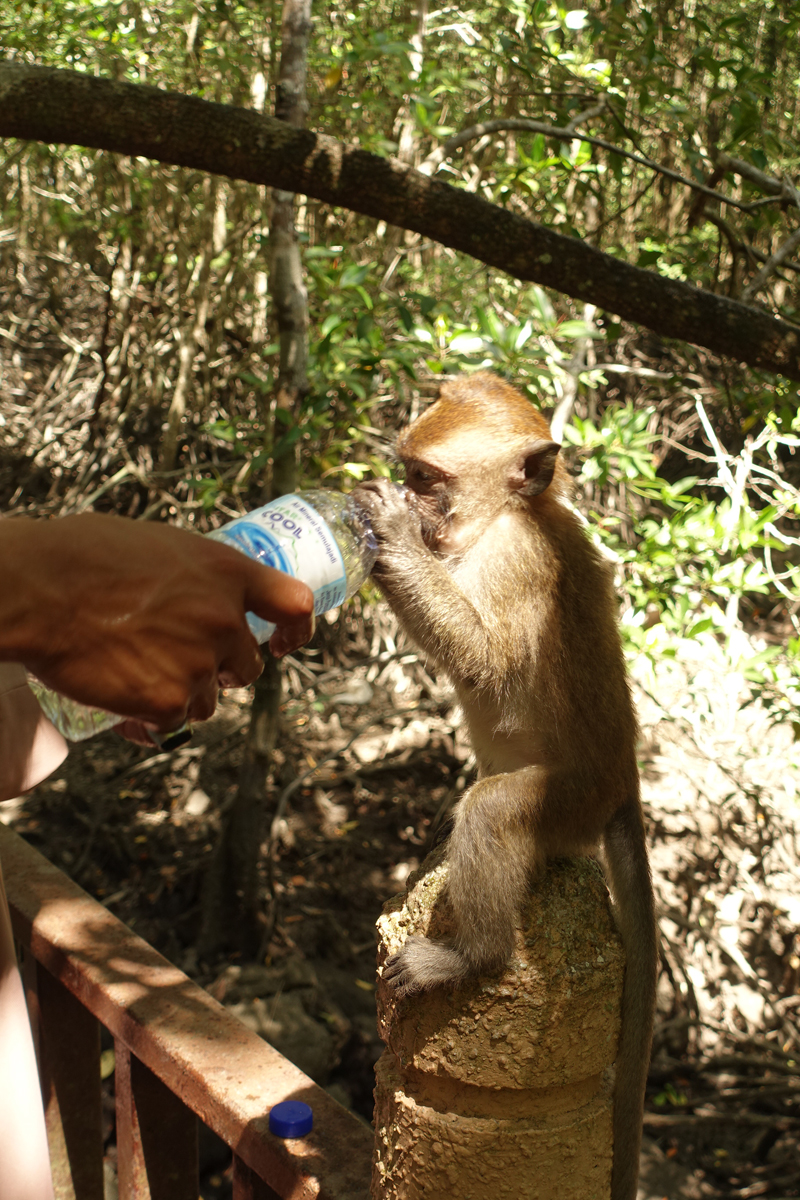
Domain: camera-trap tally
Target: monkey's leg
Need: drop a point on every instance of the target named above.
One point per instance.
(491, 853)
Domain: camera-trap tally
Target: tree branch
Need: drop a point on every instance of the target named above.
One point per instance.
(771, 265)
(568, 134)
(58, 106)
(767, 183)
(589, 114)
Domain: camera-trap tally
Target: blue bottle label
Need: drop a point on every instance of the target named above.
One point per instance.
(290, 535)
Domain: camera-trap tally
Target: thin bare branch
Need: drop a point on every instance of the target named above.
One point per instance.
(767, 183)
(771, 265)
(588, 114)
(567, 134)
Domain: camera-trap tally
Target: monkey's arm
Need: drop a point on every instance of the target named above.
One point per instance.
(429, 604)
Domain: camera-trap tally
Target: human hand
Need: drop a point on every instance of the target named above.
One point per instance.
(138, 618)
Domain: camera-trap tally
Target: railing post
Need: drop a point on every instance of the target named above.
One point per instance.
(156, 1135)
(69, 1067)
(247, 1185)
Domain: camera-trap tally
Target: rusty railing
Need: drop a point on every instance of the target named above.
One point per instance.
(178, 1056)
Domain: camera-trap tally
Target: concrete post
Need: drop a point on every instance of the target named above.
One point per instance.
(501, 1090)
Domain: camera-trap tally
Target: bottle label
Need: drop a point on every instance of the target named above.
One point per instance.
(290, 535)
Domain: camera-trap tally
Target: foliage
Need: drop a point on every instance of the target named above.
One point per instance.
(689, 559)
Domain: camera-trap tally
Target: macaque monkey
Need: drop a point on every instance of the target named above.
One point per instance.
(491, 574)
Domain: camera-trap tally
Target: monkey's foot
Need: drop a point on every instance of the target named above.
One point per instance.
(422, 964)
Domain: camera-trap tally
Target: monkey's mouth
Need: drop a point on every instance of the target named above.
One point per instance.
(433, 529)
(434, 515)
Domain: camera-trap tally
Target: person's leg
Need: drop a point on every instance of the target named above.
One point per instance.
(24, 1158)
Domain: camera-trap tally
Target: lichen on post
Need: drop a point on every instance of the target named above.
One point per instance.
(502, 1088)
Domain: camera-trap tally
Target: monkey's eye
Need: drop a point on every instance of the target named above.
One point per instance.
(420, 478)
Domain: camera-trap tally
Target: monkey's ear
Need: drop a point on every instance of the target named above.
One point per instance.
(534, 473)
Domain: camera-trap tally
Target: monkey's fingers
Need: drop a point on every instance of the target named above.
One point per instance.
(396, 976)
(388, 507)
(421, 964)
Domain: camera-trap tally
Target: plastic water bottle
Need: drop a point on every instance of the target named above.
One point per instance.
(322, 537)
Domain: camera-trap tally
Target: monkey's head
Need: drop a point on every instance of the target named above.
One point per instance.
(480, 450)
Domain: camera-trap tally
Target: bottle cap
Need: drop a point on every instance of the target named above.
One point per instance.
(291, 1119)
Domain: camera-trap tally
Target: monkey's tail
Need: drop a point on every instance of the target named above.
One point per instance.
(626, 863)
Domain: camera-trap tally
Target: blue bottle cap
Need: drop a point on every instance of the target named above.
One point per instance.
(291, 1119)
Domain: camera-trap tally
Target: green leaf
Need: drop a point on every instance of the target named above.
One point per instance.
(334, 321)
(353, 275)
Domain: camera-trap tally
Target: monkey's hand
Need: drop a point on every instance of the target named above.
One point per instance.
(393, 516)
(418, 586)
(421, 964)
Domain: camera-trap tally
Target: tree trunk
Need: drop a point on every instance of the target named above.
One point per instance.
(191, 335)
(501, 1090)
(234, 912)
(405, 129)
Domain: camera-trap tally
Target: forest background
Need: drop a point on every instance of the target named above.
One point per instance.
(139, 351)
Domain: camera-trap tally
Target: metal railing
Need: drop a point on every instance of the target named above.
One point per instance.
(179, 1055)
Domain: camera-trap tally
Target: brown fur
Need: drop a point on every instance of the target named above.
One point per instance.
(492, 575)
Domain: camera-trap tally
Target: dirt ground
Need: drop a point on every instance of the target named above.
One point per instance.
(370, 759)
